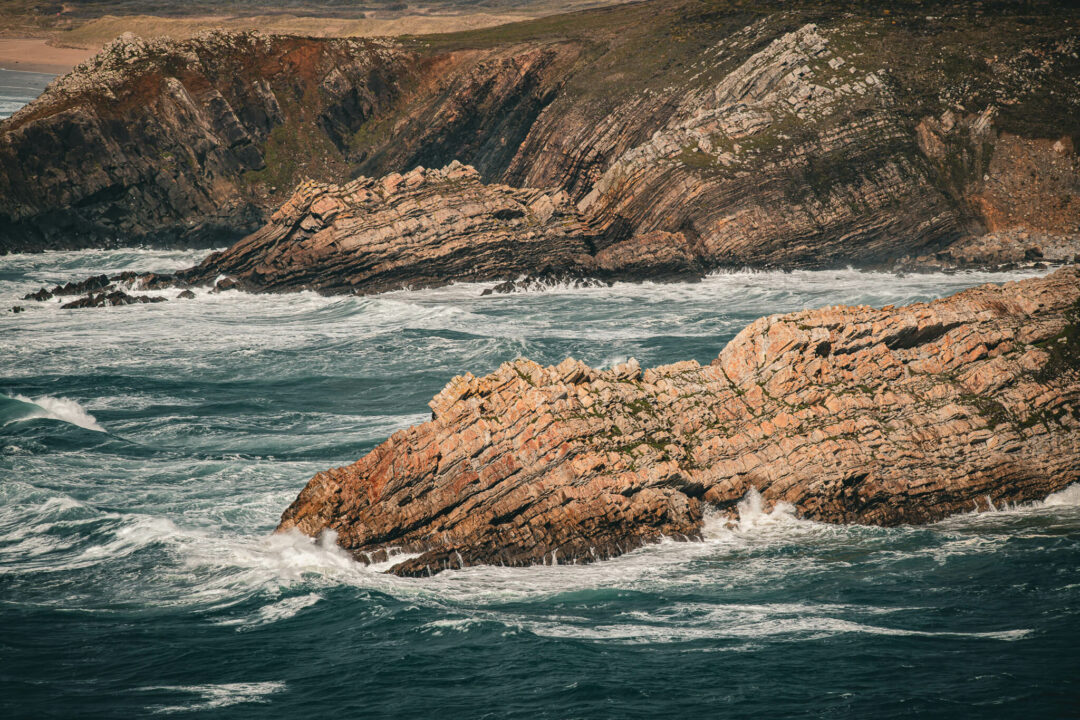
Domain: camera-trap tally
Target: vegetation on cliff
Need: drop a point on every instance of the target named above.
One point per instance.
(777, 133)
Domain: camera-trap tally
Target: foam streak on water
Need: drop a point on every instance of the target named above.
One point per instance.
(146, 453)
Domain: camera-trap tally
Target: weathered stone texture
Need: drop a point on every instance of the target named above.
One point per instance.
(851, 414)
(426, 227)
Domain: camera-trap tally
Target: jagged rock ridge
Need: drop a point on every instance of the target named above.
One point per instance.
(422, 228)
(198, 141)
(851, 414)
(425, 228)
(429, 227)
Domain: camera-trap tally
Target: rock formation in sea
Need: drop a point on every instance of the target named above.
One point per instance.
(426, 227)
(432, 227)
(849, 414)
(789, 135)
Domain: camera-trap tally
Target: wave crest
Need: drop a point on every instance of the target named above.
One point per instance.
(48, 407)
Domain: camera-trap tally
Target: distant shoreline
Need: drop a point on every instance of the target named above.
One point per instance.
(37, 56)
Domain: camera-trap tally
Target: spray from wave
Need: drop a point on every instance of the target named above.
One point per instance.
(1069, 497)
(21, 408)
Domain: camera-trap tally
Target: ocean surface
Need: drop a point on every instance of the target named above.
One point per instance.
(18, 88)
(146, 453)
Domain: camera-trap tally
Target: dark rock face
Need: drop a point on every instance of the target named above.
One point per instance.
(152, 141)
(109, 299)
(850, 414)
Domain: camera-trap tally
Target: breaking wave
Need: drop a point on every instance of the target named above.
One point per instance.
(21, 408)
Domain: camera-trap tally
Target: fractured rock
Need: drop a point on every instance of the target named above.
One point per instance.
(850, 414)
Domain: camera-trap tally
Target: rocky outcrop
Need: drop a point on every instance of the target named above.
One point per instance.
(432, 227)
(427, 227)
(850, 414)
(198, 141)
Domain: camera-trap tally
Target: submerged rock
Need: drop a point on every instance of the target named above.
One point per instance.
(103, 290)
(850, 414)
(109, 299)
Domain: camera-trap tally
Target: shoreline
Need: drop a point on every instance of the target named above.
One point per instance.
(35, 55)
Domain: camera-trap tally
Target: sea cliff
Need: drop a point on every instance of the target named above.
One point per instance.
(789, 135)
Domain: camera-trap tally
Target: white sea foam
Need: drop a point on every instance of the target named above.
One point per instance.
(723, 624)
(753, 515)
(281, 610)
(210, 697)
(58, 408)
(1069, 497)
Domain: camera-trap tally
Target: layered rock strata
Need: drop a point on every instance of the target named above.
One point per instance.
(850, 414)
(151, 140)
(427, 227)
(792, 135)
(432, 227)
(198, 141)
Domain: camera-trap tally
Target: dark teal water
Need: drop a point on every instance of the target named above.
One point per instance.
(146, 453)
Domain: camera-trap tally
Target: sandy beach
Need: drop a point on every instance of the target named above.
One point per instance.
(36, 55)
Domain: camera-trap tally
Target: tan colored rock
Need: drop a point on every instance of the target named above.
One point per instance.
(426, 227)
(850, 414)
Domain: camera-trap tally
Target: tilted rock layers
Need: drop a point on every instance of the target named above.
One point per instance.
(422, 228)
(430, 227)
(851, 414)
(790, 135)
(766, 165)
(784, 144)
(197, 141)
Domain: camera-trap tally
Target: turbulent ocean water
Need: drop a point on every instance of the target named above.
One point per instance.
(146, 452)
(18, 88)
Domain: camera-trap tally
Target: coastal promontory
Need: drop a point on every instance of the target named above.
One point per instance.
(849, 414)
